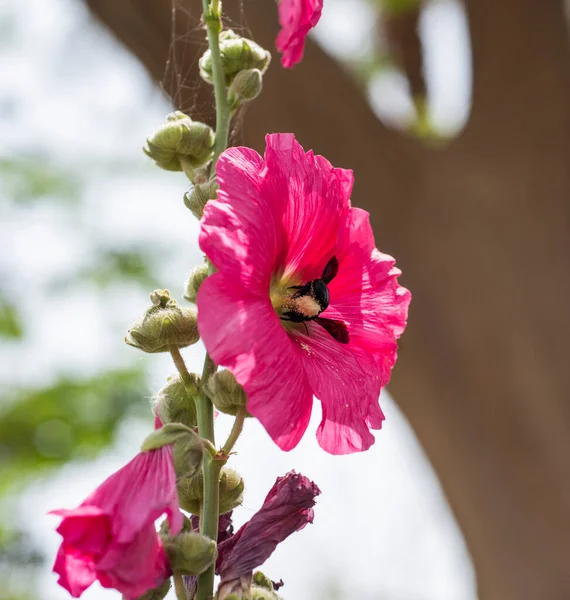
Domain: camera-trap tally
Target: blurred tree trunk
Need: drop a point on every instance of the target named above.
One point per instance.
(481, 231)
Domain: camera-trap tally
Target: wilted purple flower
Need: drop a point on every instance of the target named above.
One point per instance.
(286, 509)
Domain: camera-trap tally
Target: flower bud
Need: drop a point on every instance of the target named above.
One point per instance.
(157, 593)
(187, 454)
(190, 491)
(174, 404)
(180, 138)
(231, 490)
(245, 87)
(197, 197)
(261, 580)
(194, 281)
(164, 324)
(261, 593)
(238, 54)
(189, 553)
(225, 392)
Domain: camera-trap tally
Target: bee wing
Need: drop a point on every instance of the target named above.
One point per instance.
(337, 329)
(330, 270)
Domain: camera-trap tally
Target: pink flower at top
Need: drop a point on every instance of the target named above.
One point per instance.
(111, 536)
(296, 18)
(302, 302)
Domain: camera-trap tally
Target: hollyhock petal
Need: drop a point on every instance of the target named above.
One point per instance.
(347, 381)
(366, 293)
(241, 231)
(76, 571)
(312, 197)
(112, 533)
(136, 567)
(251, 342)
(296, 18)
(286, 509)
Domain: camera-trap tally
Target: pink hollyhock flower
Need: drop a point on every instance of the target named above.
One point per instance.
(287, 508)
(111, 536)
(302, 303)
(296, 18)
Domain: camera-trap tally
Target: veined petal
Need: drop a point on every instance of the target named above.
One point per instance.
(313, 197)
(139, 493)
(366, 292)
(347, 381)
(241, 231)
(136, 567)
(250, 341)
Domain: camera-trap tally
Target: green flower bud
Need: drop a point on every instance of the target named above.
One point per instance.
(174, 404)
(225, 392)
(245, 87)
(187, 454)
(164, 324)
(231, 490)
(180, 139)
(189, 553)
(190, 491)
(194, 281)
(197, 197)
(261, 580)
(157, 593)
(237, 54)
(261, 593)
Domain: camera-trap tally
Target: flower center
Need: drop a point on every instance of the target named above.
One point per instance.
(296, 304)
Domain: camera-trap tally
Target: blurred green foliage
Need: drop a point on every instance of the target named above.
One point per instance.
(72, 419)
(10, 323)
(27, 179)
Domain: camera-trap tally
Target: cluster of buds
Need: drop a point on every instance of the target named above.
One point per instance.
(244, 63)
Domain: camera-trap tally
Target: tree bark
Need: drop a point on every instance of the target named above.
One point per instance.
(481, 231)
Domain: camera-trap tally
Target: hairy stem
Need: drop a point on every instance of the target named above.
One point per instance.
(212, 18)
(236, 431)
(179, 587)
(205, 410)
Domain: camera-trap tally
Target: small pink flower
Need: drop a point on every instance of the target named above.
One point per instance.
(289, 247)
(296, 18)
(111, 536)
(287, 508)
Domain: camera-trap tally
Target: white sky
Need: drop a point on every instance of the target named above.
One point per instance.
(382, 527)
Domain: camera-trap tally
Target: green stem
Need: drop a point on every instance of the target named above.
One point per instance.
(179, 587)
(236, 431)
(205, 410)
(189, 384)
(212, 18)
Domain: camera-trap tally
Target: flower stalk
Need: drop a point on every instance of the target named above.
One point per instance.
(212, 19)
(235, 432)
(179, 587)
